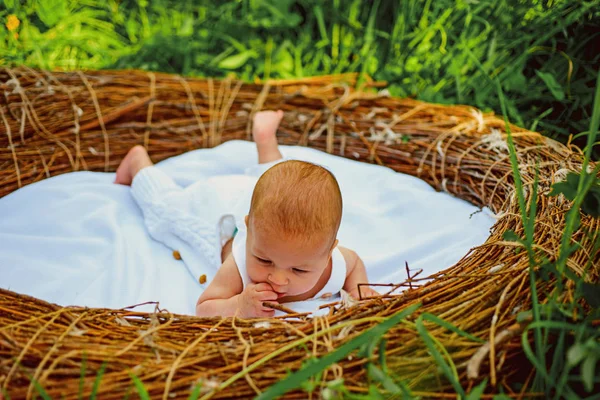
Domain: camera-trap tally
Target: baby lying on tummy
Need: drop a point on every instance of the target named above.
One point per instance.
(287, 249)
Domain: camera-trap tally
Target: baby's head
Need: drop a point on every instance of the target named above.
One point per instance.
(294, 218)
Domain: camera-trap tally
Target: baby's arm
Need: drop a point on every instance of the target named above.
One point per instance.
(356, 273)
(225, 295)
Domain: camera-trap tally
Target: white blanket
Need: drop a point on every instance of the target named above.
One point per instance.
(79, 239)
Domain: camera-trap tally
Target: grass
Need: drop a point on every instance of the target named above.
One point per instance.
(556, 318)
(541, 52)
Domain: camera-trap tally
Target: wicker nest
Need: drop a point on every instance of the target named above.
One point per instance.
(53, 123)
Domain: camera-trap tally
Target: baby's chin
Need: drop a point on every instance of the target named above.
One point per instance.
(292, 296)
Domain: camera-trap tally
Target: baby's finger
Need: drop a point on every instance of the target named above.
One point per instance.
(263, 296)
(268, 313)
(263, 287)
(266, 307)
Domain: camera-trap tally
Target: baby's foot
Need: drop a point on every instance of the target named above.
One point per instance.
(136, 159)
(265, 125)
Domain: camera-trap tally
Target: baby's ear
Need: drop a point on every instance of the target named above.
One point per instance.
(335, 243)
(246, 221)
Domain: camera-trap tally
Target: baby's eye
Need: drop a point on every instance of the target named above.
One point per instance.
(263, 261)
(300, 271)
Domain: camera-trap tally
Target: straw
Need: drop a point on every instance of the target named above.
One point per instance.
(54, 123)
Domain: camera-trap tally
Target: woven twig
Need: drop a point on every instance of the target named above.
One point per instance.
(53, 123)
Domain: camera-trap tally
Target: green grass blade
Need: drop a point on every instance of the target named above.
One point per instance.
(318, 12)
(367, 51)
(5, 393)
(539, 343)
(450, 327)
(448, 369)
(558, 363)
(139, 386)
(387, 382)
(538, 364)
(514, 163)
(97, 381)
(584, 183)
(38, 388)
(477, 391)
(41, 391)
(294, 380)
(196, 392)
(530, 228)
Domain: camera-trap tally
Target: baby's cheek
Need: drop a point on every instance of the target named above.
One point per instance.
(256, 273)
(308, 282)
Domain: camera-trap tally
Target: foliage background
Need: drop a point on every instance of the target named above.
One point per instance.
(544, 52)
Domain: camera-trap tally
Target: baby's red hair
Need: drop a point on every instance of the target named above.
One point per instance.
(298, 199)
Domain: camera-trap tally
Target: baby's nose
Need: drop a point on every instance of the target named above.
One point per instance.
(278, 278)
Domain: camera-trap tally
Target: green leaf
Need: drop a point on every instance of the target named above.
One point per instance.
(591, 293)
(142, 392)
(575, 354)
(477, 391)
(516, 82)
(548, 270)
(587, 372)
(382, 361)
(284, 61)
(374, 394)
(50, 12)
(310, 385)
(511, 236)
(294, 380)
(367, 349)
(379, 376)
(196, 392)
(567, 187)
(555, 88)
(524, 316)
(236, 61)
(591, 202)
(437, 356)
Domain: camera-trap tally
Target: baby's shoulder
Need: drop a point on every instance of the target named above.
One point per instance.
(350, 256)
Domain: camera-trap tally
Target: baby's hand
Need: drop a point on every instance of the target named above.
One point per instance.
(365, 291)
(251, 299)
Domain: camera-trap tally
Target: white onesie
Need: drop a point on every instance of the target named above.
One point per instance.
(199, 219)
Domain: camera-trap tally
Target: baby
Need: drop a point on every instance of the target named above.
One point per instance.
(287, 249)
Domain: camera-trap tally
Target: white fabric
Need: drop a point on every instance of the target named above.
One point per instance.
(78, 239)
(199, 218)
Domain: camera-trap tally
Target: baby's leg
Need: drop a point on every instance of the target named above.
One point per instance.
(134, 161)
(264, 132)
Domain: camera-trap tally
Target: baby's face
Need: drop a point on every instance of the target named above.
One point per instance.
(290, 266)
